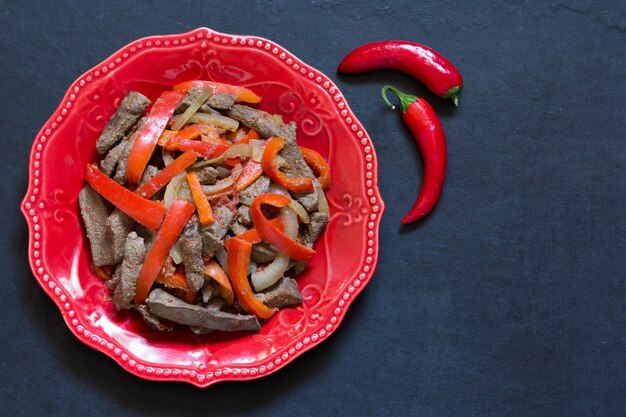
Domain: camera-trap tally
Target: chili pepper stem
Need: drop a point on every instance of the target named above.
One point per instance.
(405, 99)
(453, 94)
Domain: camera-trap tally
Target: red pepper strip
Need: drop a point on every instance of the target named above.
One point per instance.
(149, 135)
(419, 61)
(147, 212)
(205, 212)
(215, 271)
(297, 185)
(318, 164)
(204, 149)
(421, 119)
(252, 235)
(177, 216)
(238, 261)
(242, 93)
(191, 132)
(164, 176)
(179, 282)
(271, 234)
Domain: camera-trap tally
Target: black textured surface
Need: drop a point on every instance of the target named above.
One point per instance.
(509, 300)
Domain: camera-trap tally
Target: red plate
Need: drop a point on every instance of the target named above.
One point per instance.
(346, 253)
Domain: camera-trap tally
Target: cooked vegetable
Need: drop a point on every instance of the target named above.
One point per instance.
(238, 150)
(205, 213)
(212, 269)
(148, 136)
(193, 107)
(318, 164)
(147, 212)
(242, 93)
(177, 281)
(271, 234)
(238, 260)
(164, 176)
(177, 216)
(172, 189)
(298, 184)
(211, 119)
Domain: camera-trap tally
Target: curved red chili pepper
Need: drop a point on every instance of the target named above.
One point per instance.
(421, 119)
(419, 61)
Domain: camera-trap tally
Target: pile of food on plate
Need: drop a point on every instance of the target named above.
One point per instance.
(202, 211)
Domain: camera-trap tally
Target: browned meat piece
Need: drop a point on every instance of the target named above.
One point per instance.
(191, 95)
(151, 320)
(269, 125)
(108, 164)
(213, 234)
(313, 230)
(216, 303)
(259, 186)
(120, 225)
(219, 101)
(94, 215)
(238, 228)
(243, 215)
(126, 115)
(112, 283)
(262, 252)
(147, 234)
(284, 293)
(134, 254)
(295, 268)
(191, 245)
(148, 174)
(210, 243)
(207, 175)
(171, 308)
(120, 172)
(209, 290)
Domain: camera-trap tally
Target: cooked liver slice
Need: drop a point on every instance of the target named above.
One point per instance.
(165, 305)
(151, 320)
(108, 164)
(134, 255)
(207, 175)
(126, 115)
(219, 101)
(313, 230)
(122, 162)
(191, 246)
(94, 214)
(120, 225)
(284, 293)
(262, 252)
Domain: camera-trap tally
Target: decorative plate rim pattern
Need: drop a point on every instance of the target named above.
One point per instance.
(31, 207)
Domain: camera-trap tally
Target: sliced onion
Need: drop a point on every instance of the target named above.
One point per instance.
(172, 189)
(240, 150)
(257, 149)
(275, 271)
(251, 268)
(279, 189)
(213, 120)
(220, 185)
(322, 205)
(192, 109)
(168, 157)
(246, 201)
(184, 192)
(176, 253)
(300, 211)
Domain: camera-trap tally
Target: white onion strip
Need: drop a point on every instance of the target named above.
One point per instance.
(193, 107)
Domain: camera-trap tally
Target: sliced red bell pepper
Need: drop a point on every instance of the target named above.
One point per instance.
(238, 261)
(177, 281)
(161, 179)
(207, 150)
(190, 132)
(271, 234)
(177, 216)
(242, 93)
(251, 172)
(147, 212)
(215, 271)
(205, 212)
(252, 235)
(149, 135)
(318, 164)
(297, 185)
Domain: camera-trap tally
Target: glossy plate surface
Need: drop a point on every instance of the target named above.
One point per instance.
(346, 253)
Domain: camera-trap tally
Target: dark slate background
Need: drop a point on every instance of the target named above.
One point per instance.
(509, 300)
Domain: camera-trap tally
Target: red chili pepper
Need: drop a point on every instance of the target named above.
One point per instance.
(147, 212)
(421, 119)
(419, 61)
(147, 138)
(175, 220)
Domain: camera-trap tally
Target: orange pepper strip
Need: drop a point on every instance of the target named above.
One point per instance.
(238, 261)
(297, 185)
(215, 271)
(271, 234)
(161, 179)
(205, 212)
(190, 132)
(242, 93)
(147, 138)
(251, 172)
(252, 236)
(147, 212)
(177, 216)
(177, 281)
(103, 272)
(318, 164)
